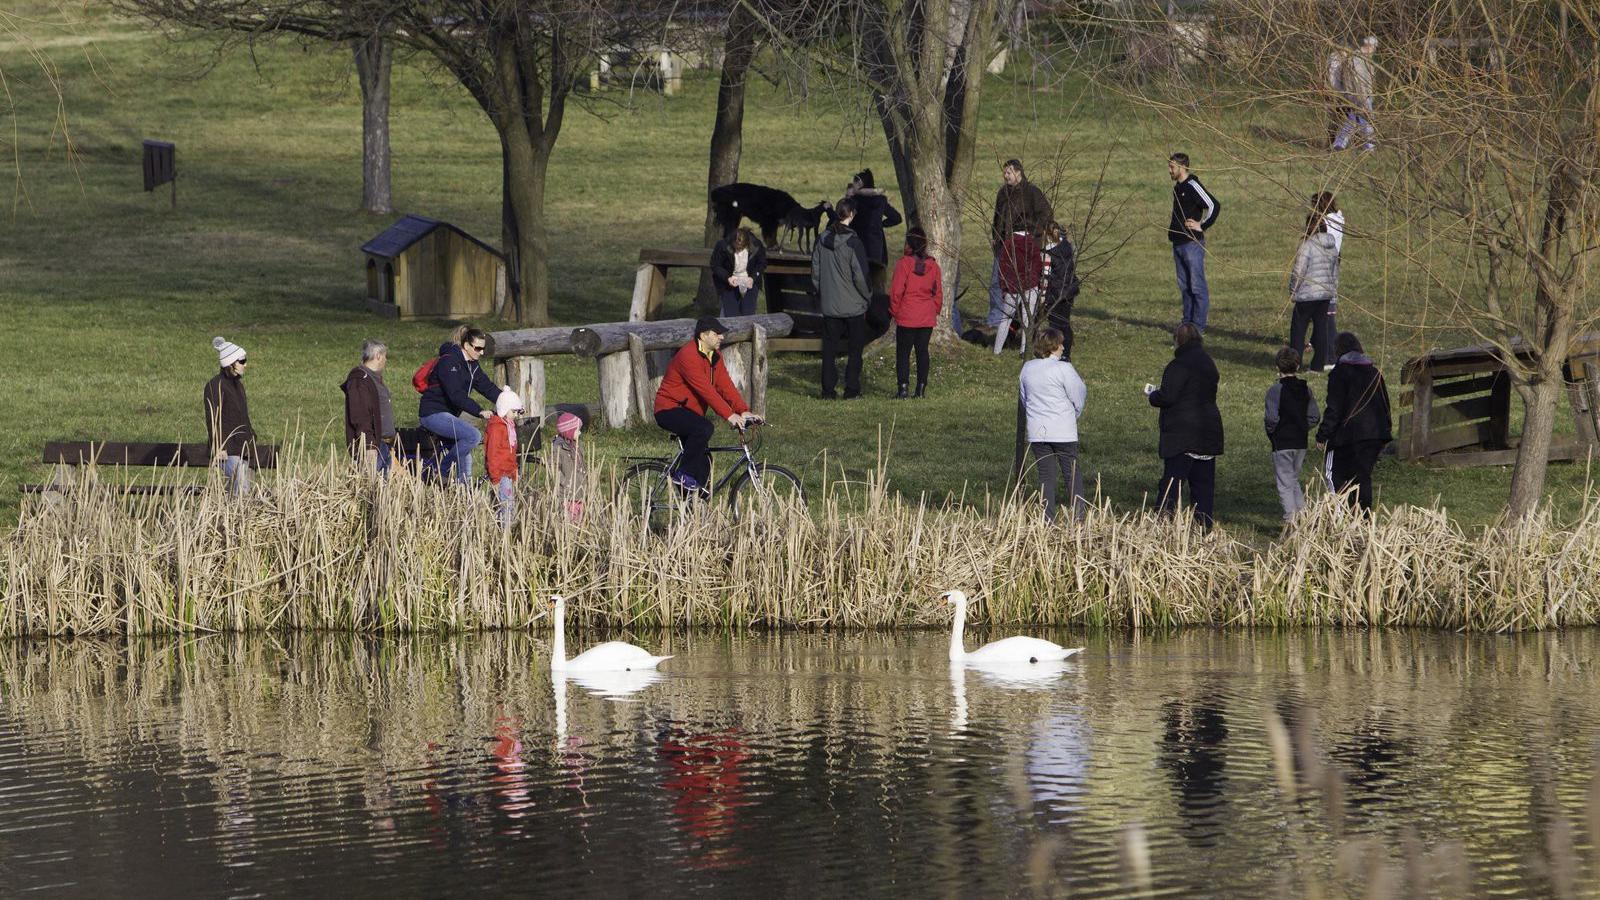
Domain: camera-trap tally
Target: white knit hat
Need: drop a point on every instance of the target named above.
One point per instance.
(228, 352)
(507, 403)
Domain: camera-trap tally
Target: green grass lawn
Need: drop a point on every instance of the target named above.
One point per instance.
(111, 299)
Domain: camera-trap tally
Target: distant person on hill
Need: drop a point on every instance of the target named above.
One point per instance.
(697, 379)
(1021, 271)
(915, 298)
(1357, 424)
(368, 411)
(231, 436)
(1313, 285)
(1291, 414)
(1356, 83)
(447, 385)
(1191, 425)
(1061, 282)
(874, 213)
(1018, 206)
(737, 265)
(566, 457)
(839, 274)
(1053, 396)
(1194, 211)
(500, 454)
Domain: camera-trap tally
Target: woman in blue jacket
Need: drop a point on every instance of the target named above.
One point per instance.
(456, 374)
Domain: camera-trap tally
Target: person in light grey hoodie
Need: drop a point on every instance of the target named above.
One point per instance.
(1313, 284)
(1053, 396)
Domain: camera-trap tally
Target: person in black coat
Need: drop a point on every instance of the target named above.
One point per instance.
(1356, 425)
(456, 374)
(1191, 425)
(737, 264)
(1061, 279)
(874, 213)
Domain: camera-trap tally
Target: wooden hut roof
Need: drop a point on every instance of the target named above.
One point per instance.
(410, 229)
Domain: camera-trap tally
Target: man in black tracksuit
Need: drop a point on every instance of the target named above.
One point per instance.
(1193, 211)
(1357, 426)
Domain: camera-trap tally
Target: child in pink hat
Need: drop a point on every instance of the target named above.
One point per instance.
(567, 457)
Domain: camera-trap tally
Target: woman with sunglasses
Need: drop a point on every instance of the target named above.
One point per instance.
(455, 376)
(228, 426)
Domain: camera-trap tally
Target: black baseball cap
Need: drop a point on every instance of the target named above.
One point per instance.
(709, 323)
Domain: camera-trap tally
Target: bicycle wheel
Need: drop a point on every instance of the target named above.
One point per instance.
(765, 490)
(646, 495)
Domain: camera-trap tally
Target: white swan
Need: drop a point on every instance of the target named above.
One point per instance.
(612, 656)
(1009, 650)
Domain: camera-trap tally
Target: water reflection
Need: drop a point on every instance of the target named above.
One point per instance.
(312, 765)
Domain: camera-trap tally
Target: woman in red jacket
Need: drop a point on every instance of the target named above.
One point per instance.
(915, 297)
(695, 379)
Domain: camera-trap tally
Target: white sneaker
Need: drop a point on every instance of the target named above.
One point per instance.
(1328, 368)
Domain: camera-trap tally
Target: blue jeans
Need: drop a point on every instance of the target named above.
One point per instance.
(384, 458)
(1190, 259)
(236, 469)
(506, 492)
(461, 437)
(997, 303)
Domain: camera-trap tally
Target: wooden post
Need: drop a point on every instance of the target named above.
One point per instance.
(737, 358)
(1421, 416)
(525, 375)
(639, 363)
(616, 388)
(1499, 437)
(649, 290)
(756, 393)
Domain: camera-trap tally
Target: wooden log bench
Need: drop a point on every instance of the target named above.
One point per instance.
(65, 455)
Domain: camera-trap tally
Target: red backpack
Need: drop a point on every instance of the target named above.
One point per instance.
(423, 375)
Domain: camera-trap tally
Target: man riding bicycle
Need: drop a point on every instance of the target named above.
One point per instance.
(695, 379)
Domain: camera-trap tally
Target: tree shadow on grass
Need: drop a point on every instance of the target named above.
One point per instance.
(1244, 356)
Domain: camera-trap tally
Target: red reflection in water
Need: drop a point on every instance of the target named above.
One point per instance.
(707, 775)
(510, 778)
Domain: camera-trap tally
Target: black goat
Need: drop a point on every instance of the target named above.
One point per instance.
(770, 209)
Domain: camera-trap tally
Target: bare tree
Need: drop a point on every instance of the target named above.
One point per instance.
(1485, 154)
(374, 58)
(518, 59)
(741, 40)
(921, 64)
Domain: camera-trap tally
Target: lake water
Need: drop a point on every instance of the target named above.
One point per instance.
(799, 764)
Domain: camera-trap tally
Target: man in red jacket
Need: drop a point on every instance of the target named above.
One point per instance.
(697, 378)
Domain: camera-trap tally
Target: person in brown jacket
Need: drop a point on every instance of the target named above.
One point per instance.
(1019, 206)
(368, 412)
(228, 429)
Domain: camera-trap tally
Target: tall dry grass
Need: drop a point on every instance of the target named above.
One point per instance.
(322, 547)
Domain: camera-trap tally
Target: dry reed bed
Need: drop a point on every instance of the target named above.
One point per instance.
(323, 548)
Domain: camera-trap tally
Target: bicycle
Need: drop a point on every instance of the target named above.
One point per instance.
(648, 491)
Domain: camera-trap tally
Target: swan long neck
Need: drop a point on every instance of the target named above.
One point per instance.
(558, 655)
(958, 628)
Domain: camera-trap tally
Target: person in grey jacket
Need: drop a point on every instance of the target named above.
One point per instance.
(1053, 396)
(1313, 284)
(839, 273)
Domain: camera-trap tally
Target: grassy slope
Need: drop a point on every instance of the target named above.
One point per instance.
(110, 300)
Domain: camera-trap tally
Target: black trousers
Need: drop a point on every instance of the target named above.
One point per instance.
(851, 331)
(1352, 466)
(1315, 314)
(696, 432)
(905, 340)
(1201, 476)
(1056, 460)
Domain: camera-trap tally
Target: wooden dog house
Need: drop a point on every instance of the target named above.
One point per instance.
(1474, 427)
(424, 268)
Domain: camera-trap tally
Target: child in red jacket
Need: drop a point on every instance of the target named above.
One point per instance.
(1021, 267)
(915, 297)
(500, 453)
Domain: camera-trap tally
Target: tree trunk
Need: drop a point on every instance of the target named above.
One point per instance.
(526, 231)
(374, 57)
(1533, 453)
(727, 133)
